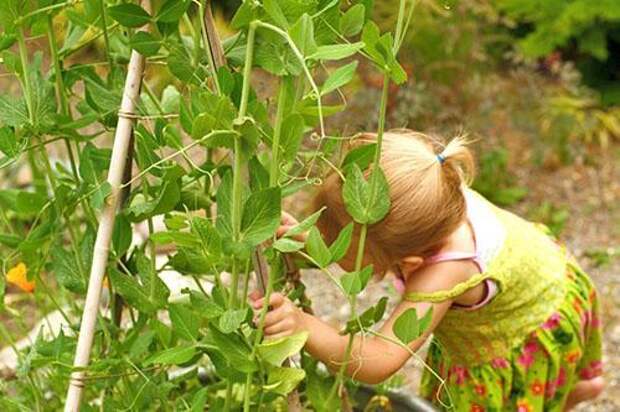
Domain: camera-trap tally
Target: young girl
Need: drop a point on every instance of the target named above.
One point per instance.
(514, 320)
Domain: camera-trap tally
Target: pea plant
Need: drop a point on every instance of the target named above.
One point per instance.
(209, 155)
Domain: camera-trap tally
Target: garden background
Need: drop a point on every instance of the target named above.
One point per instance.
(536, 85)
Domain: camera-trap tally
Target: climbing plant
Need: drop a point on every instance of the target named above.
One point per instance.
(213, 159)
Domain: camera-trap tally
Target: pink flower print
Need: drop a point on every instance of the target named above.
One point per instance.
(530, 347)
(523, 406)
(595, 322)
(552, 322)
(527, 357)
(561, 380)
(594, 369)
(461, 374)
(526, 360)
(500, 363)
(550, 388)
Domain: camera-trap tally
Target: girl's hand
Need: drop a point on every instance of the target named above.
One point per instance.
(283, 317)
(287, 221)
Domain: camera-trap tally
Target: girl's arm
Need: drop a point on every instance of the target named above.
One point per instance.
(374, 358)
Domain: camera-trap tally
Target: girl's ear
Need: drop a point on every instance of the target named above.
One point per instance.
(410, 264)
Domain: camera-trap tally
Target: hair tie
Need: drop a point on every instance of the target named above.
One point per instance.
(441, 158)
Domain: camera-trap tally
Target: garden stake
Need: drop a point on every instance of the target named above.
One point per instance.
(101, 252)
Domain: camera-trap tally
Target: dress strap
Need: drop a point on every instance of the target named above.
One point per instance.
(443, 295)
(455, 255)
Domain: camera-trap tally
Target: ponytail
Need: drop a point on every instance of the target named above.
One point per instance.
(456, 155)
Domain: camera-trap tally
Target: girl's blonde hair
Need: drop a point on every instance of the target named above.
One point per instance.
(426, 180)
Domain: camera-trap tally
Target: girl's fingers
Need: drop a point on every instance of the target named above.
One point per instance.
(283, 229)
(255, 295)
(274, 317)
(275, 300)
(279, 327)
(280, 335)
(288, 219)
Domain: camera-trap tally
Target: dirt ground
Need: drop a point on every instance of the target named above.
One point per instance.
(592, 196)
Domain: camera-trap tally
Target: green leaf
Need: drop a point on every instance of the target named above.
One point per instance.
(13, 110)
(425, 321)
(199, 400)
(168, 195)
(30, 203)
(317, 249)
(66, 270)
(362, 156)
(184, 321)
(302, 34)
(232, 319)
(292, 135)
(223, 199)
(283, 380)
(138, 294)
(354, 282)
(339, 248)
(145, 43)
(352, 20)
(141, 344)
(207, 308)
(93, 163)
(259, 176)
(408, 327)
(357, 197)
(286, 245)
(100, 194)
(275, 351)
(261, 215)
(305, 224)
(370, 316)
(339, 78)
(275, 12)
(233, 348)
(7, 40)
(172, 10)
(122, 235)
(9, 144)
(244, 15)
(173, 356)
(336, 51)
(379, 205)
(129, 15)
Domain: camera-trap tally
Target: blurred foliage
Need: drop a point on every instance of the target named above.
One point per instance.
(602, 257)
(552, 216)
(586, 31)
(495, 182)
(546, 68)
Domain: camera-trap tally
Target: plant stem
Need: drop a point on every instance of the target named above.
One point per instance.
(399, 25)
(277, 132)
(203, 28)
(359, 258)
(237, 190)
(106, 36)
(23, 55)
(60, 87)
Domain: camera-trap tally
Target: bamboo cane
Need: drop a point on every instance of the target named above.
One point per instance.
(101, 251)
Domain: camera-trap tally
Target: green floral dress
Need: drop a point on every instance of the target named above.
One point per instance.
(524, 350)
